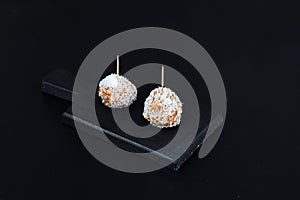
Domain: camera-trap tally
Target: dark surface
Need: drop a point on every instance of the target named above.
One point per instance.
(256, 46)
(59, 83)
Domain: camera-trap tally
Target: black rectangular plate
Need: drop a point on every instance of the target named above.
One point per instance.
(60, 82)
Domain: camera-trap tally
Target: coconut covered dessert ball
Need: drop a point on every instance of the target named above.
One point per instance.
(117, 91)
(163, 108)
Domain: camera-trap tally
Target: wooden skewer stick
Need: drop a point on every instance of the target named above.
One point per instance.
(118, 65)
(162, 77)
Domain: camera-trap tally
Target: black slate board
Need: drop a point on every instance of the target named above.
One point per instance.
(59, 83)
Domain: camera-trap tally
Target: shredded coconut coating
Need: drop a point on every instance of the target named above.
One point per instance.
(117, 91)
(163, 108)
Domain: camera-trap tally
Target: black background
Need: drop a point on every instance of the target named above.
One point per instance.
(256, 46)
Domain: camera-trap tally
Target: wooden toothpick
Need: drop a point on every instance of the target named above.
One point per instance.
(162, 77)
(118, 65)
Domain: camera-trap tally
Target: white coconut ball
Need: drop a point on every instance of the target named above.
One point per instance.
(117, 91)
(163, 108)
